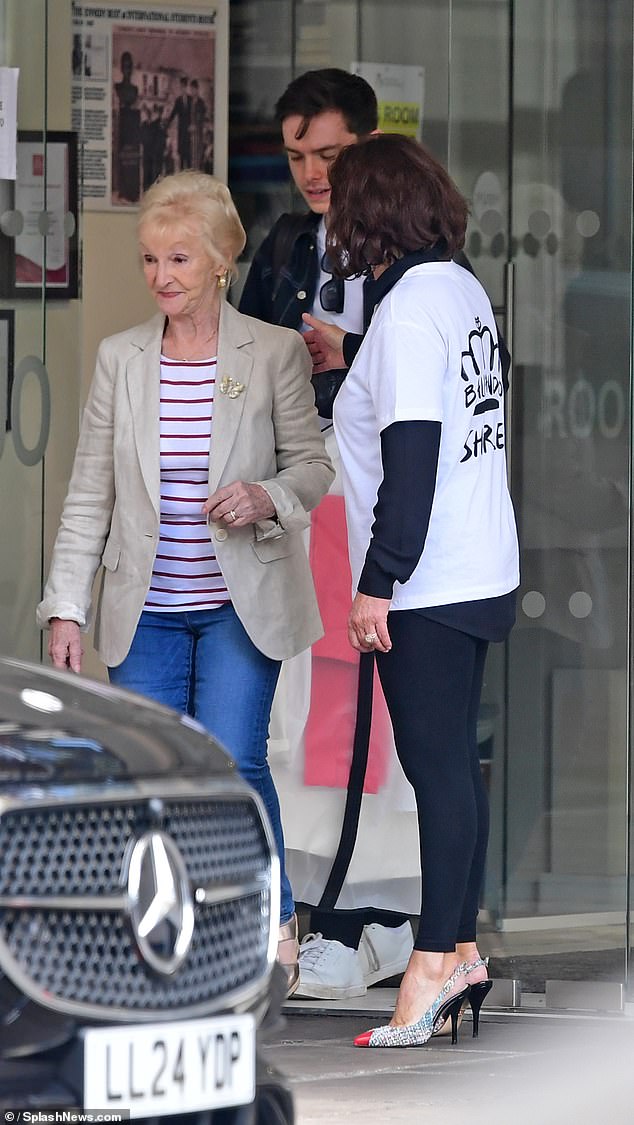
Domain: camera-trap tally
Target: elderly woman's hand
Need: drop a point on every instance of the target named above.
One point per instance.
(367, 624)
(239, 504)
(64, 644)
(325, 343)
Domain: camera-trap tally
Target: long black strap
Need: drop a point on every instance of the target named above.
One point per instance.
(372, 293)
(356, 778)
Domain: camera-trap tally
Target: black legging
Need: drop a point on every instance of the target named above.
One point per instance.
(432, 680)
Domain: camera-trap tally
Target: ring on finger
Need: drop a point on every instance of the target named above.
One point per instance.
(233, 515)
(370, 638)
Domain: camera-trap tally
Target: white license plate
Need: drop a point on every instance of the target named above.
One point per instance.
(153, 1069)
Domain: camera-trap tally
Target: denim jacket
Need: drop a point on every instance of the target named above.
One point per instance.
(282, 300)
(281, 286)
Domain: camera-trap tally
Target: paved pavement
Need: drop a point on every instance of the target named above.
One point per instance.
(526, 1068)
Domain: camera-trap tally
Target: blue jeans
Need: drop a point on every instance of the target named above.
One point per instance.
(204, 664)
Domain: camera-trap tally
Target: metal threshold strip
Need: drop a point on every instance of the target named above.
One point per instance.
(574, 998)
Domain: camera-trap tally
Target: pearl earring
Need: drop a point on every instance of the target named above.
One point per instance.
(222, 281)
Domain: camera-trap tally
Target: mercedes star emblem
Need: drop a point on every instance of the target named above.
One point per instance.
(159, 902)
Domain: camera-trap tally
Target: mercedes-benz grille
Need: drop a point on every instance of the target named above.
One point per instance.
(65, 933)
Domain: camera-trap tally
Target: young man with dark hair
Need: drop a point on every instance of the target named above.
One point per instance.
(321, 112)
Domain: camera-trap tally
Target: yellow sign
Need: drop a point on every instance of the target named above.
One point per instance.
(400, 117)
(400, 94)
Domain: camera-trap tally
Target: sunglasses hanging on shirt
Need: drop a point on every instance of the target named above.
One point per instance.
(331, 294)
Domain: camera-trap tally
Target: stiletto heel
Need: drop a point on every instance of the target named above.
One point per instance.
(443, 1026)
(477, 995)
(478, 991)
(451, 1011)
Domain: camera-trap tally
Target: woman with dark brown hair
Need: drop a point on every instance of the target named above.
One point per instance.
(432, 540)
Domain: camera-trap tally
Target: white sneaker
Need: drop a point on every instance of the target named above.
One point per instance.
(383, 951)
(328, 970)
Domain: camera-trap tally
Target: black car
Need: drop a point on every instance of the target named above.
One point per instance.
(139, 909)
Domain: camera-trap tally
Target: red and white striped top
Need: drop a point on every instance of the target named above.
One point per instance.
(186, 573)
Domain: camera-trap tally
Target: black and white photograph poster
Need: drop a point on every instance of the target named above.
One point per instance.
(149, 96)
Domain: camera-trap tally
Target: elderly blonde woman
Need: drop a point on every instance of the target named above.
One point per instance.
(198, 461)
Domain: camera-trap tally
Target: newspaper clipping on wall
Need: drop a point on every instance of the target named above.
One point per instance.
(148, 96)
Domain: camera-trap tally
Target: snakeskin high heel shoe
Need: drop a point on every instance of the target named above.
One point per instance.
(474, 998)
(417, 1034)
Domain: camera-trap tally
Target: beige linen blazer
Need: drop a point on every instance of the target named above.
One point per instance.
(267, 433)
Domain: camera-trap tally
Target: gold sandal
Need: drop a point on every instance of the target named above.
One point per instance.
(288, 953)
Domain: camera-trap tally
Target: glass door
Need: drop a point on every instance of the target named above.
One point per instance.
(24, 397)
(530, 105)
(40, 330)
(551, 236)
(478, 140)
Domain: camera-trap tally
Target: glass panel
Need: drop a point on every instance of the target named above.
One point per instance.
(24, 415)
(271, 42)
(478, 159)
(36, 450)
(568, 672)
(274, 40)
(408, 33)
(260, 53)
(530, 105)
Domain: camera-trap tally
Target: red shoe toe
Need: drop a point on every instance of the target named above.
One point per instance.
(364, 1039)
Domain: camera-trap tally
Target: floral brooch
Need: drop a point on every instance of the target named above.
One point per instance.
(230, 387)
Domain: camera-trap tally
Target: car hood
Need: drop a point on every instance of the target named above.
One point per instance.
(58, 728)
